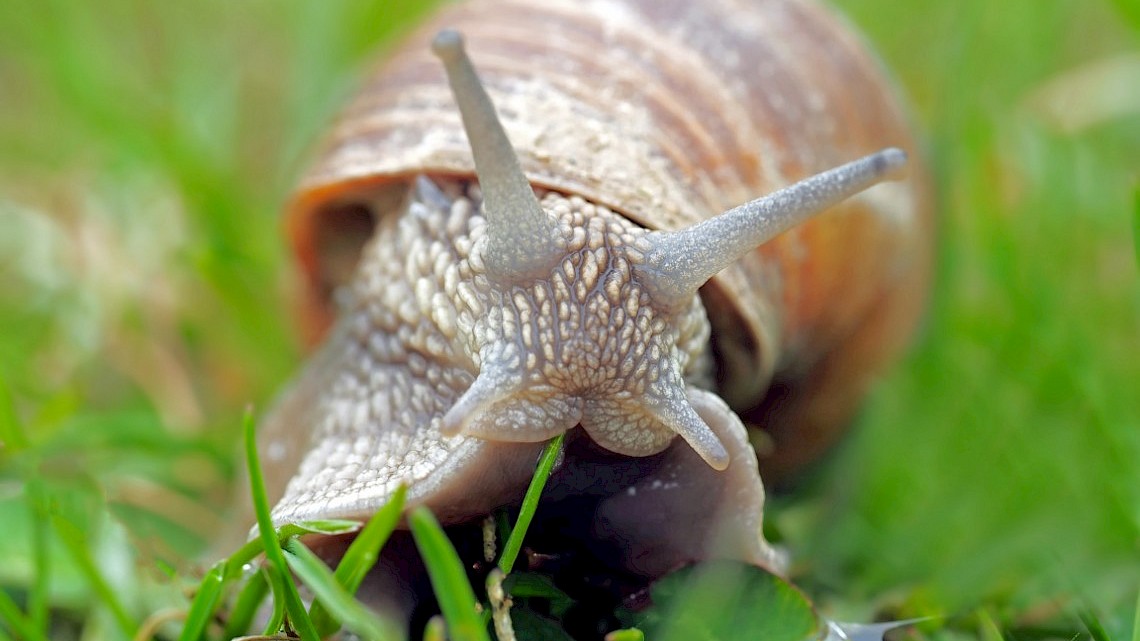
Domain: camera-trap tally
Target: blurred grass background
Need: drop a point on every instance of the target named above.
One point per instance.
(145, 151)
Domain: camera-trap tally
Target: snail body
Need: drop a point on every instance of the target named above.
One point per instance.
(482, 287)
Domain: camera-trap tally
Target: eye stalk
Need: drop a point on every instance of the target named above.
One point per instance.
(684, 260)
(522, 237)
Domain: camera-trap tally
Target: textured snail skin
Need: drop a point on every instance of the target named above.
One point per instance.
(628, 117)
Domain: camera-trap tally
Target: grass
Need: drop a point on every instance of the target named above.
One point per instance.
(333, 604)
(448, 578)
(145, 151)
(530, 503)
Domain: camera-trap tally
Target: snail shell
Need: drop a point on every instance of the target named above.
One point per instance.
(626, 117)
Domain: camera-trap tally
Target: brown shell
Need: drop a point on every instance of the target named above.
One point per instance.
(669, 111)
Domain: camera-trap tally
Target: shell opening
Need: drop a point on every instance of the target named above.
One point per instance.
(340, 238)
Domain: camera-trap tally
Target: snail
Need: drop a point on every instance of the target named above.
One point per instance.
(555, 243)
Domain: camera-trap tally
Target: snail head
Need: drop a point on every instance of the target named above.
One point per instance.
(577, 316)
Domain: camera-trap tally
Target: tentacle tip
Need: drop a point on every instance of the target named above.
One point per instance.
(890, 163)
(717, 459)
(710, 449)
(448, 45)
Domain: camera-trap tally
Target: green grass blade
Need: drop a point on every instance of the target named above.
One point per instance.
(530, 503)
(361, 555)
(252, 548)
(246, 604)
(39, 596)
(295, 608)
(526, 585)
(257, 587)
(76, 544)
(285, 591)
(204, 604)
(1136, 224)
(12, 437)
(628, 634)
(277, 615)
(436, 629)
(334, 597)
(20, 624)
(363, 552)
(1136, 619)
(448, 579)
(1094, 626)
(989, 630)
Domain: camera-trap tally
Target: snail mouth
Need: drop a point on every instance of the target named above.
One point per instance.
(607, 527)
